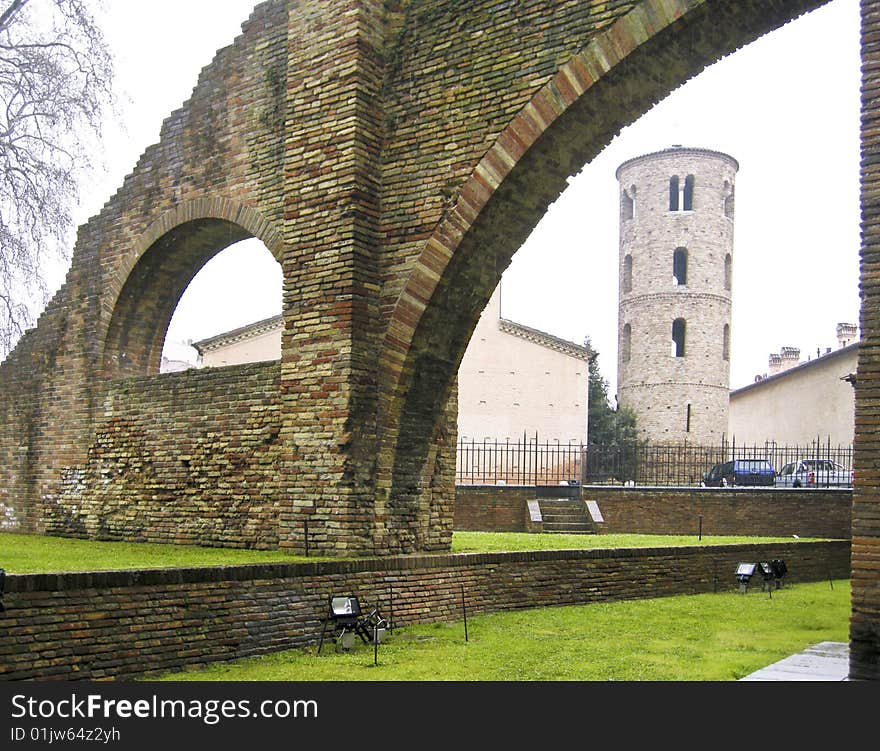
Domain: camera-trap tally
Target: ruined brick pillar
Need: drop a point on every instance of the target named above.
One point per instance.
(331, 150)
(864, 624)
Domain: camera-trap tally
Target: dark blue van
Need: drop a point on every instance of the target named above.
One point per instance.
(740, 472)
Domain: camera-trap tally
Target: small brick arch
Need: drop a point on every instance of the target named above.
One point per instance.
(151, 280)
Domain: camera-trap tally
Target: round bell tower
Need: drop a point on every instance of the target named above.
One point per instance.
(676, 263)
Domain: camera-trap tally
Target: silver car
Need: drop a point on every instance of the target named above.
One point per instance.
(813, 473)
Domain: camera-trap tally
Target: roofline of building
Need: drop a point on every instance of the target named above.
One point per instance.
(236, 335)
(800, 367)
(544, 339)
(510, 327)
(674, 150)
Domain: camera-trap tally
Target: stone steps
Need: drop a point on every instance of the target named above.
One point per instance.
(565, 516)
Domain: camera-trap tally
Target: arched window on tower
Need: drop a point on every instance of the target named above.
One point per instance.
(725, 346)
(627, 273)
(626, 343)
(673, 193)
(678, 336)
(687, 202)
(628, 204)
(728, 271)
(680, 266)
(728, 200)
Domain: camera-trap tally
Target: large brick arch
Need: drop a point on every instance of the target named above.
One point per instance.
(152, 279)
(619, 74)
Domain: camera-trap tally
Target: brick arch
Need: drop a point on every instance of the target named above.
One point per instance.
(616, 77)
(165, 259)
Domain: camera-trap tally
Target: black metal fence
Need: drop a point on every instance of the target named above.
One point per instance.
(533, 462)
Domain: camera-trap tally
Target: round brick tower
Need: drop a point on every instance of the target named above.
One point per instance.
(676, 257)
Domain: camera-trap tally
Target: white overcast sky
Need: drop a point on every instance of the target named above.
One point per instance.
(786, 107)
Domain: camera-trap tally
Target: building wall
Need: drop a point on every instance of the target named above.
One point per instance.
(799, 405)
(509, 386)
(105, 625)
(676, 398)
(258, 347)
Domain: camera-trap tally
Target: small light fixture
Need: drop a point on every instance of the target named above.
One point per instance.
(766, 574)
(744, 574)
(779, 570)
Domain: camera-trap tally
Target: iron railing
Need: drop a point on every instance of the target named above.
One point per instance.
(533, 462)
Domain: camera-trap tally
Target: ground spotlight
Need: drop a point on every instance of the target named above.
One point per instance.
(779, 570)
(744, 574)
(766, 574)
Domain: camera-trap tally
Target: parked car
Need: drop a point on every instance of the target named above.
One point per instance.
(813, 473)
(740, 472)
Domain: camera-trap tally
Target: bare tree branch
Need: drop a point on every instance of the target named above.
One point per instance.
(56, 76)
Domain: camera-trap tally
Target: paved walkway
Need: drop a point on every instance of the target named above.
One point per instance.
(827, 661)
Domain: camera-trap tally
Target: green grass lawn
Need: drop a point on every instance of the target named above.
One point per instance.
(29, 554)
(707, 637)
(711, 637)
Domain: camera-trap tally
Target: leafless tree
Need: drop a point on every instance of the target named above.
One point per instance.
(55, 89)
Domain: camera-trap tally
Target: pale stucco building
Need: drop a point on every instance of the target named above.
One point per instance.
(514, 381)
(255, 342)
(798, 402)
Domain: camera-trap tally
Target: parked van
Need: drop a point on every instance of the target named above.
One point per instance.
(740, 472)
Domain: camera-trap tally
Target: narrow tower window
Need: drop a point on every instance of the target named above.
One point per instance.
(627, 273)
(626, 343)
(678, 336)
(628, 204)
(728, 271)
(673, 193)
(725, 345)
(688, 197)
(680, 266)
(728, 200)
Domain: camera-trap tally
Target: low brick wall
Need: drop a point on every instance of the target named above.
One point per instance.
(781, 512)
(492, 508)
(190, 458)
(122, 625)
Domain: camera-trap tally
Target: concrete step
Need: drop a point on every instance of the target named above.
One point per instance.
(565, 516)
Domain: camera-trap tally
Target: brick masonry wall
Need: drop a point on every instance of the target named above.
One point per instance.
(492, 508)
(393, 157)
(122, 625)
(865, 621)
(673, 511)
(189, 458)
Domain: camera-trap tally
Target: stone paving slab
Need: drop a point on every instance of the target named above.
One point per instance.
(826, 661)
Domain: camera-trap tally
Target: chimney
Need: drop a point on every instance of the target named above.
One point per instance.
(775, 364)
(790, 357)
(846, 334)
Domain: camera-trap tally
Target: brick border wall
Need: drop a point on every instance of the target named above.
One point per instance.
(126, 624)
(666, 511)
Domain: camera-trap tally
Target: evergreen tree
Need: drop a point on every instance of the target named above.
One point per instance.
(607, 425)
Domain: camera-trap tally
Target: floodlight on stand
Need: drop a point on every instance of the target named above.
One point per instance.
(744, 574)
(767, 575)
(779, 570)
